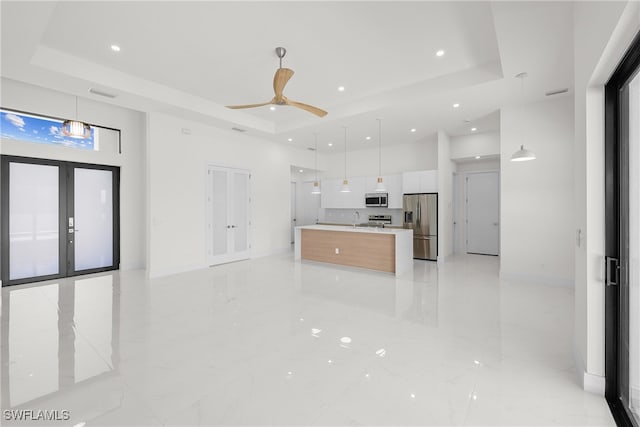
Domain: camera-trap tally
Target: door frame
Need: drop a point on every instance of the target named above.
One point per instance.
(466, 209)
(212, 260)
(616, 162)
(66, 267)
(293, 209)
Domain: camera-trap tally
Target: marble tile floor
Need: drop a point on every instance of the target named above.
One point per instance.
(271, 341)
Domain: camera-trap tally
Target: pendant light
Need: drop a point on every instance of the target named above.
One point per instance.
(345, 182)
(76, 128)
(522, 155)
(316, 185)
(380, 185)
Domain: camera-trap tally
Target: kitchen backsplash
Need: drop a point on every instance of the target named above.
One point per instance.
(345, 216)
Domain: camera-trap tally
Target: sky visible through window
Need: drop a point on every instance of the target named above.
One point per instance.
(29, 128)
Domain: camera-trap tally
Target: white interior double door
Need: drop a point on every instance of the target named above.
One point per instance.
(228, 214)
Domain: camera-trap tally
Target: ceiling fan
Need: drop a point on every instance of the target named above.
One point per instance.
(280, 79)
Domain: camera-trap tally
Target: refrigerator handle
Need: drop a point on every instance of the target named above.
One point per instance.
(419, 219)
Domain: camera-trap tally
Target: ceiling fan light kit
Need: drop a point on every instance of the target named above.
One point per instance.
(280, 80)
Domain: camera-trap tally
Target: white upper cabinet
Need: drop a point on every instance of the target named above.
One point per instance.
(332, 198)
(420, 182)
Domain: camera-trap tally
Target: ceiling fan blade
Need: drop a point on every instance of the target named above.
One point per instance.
(236, 107)
(280, 79)
(310, 108)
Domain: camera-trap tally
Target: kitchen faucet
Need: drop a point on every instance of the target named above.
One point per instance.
(356, 214)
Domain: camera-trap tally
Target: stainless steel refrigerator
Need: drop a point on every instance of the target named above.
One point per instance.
(421, 215)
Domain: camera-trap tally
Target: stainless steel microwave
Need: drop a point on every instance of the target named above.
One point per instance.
(376, 200)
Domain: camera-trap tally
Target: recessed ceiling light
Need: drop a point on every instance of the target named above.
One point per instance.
(301, 170)
(368, 138)
(330, 144)
(340, 88)
(272, 108)
(474, 129)
(290, 139)
(115, 48)
(413, 130)
(477, 157)
(345, 340)
(456, 105)
(440, 52)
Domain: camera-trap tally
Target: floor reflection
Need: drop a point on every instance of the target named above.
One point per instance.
(58, 336)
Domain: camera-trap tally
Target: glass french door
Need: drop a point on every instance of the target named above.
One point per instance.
(228, 222)
(622, 294)
(58, 219)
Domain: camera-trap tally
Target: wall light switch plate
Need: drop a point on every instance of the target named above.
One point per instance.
(337, 251)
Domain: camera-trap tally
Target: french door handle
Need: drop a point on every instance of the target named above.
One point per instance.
(613, 268)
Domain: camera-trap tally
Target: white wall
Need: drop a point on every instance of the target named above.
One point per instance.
(459, 193)
(37, 100)
(476, 144)
(536, 239)
(602, 32)
(445, 197)
(395, 159)
(177, 168)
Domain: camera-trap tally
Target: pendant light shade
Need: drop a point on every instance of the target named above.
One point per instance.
(76, 128)
(523, 155)
(316, 185)
(380, 188)
(345, 182)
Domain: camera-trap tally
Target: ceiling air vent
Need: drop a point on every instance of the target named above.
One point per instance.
(238, 129)
(556, 92)
(101, 93)
(311, 149)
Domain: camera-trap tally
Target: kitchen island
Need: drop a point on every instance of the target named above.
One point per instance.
(382, 249)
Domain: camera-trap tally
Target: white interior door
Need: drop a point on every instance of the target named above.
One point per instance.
(228, 214)
(483, 213)
(308, 205)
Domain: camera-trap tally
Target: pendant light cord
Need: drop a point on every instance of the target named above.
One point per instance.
(345, 152)
(315, 135)
(379, 147)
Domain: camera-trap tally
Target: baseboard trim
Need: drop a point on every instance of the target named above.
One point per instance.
(532, 278)
(593, 383)
(162, 272)
(277, 251)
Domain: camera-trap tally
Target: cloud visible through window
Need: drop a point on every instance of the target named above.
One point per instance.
(17, 121)
(42, 130)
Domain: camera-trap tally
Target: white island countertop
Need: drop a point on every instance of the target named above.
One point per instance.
(402, 243)
(357, 229)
